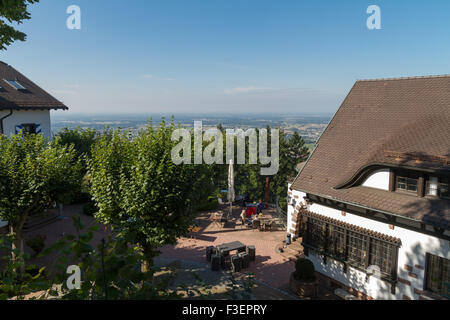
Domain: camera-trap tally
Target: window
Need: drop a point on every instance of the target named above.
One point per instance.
(336, 245)
(359, 249)
(380, 253)
(29, 128)
(432, 186)
(407, 182)
(15, 84)
(438, 275)
(316, 233)
(438, 187)
(444, 191)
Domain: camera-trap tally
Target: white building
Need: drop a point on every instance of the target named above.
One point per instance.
(24, 106)
(372, 203)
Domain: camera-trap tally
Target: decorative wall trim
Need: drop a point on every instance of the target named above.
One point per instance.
(408, 268)
(404, 281)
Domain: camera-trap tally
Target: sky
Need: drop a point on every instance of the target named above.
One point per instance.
(227, 56)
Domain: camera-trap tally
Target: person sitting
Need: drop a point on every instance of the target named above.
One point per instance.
(250, 211)
(243, 216)
(261, 206)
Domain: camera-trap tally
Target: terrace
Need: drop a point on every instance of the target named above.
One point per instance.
(270, 270)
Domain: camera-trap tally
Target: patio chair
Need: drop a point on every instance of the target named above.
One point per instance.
(243, 222)
(256, 224)
(269, 225)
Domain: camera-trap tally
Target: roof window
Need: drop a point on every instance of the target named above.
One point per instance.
(15, 84)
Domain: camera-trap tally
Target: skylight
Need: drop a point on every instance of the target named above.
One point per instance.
(15, 84)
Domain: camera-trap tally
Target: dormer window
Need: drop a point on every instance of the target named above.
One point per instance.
(438, 187)
(444, 191)
(432, 187)
(407, 181)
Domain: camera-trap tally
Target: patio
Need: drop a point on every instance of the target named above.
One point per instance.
(269, 267)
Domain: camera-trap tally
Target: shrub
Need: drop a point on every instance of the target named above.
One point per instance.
(304, 270)
(37, 243)
(90, 209)
(210, 204)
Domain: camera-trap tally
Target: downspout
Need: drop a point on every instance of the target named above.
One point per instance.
(1, 120)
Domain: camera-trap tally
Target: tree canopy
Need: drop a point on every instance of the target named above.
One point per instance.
(248, 178)
(13, 11)
(139, 189)
(34, 173)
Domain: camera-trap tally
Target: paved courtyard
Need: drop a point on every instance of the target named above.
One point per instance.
(270, 271)
(270, 267)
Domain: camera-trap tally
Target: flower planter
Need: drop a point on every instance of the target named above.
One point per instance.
(303, 289)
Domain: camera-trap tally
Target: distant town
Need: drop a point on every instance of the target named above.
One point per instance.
(309, 126)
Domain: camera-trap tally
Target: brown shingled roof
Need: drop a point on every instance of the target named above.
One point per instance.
(394, 122)
(32, 98)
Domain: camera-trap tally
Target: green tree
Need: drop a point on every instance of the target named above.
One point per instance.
(110, 271)
(34, 173)
(141, 192)
(292, 152)
(82, 139)
(248, 177)
(13, 11)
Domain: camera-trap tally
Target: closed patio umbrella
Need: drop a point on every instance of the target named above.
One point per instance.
(231, 194)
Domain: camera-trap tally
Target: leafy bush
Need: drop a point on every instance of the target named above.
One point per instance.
(210, 204)
(304, 270)
(13, 284)
(90, 209)
(37, 243)
(112, 271)
(82, 139)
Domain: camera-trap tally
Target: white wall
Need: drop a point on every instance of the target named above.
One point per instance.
(378, 179)
(41, 117)
(412, 252)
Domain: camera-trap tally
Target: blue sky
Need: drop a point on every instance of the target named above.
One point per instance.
(226, 55)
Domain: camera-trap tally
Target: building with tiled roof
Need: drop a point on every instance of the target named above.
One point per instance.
(23, 104)
(374, 194)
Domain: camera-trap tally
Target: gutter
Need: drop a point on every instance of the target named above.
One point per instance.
(1, 120)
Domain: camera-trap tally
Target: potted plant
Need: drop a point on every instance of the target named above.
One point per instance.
(303, 280)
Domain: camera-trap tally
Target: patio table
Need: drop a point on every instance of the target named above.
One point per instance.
(226, 248)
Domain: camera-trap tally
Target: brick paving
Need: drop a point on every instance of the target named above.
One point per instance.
(269, 267)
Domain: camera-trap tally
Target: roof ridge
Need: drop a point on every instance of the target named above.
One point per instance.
(407, 78)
